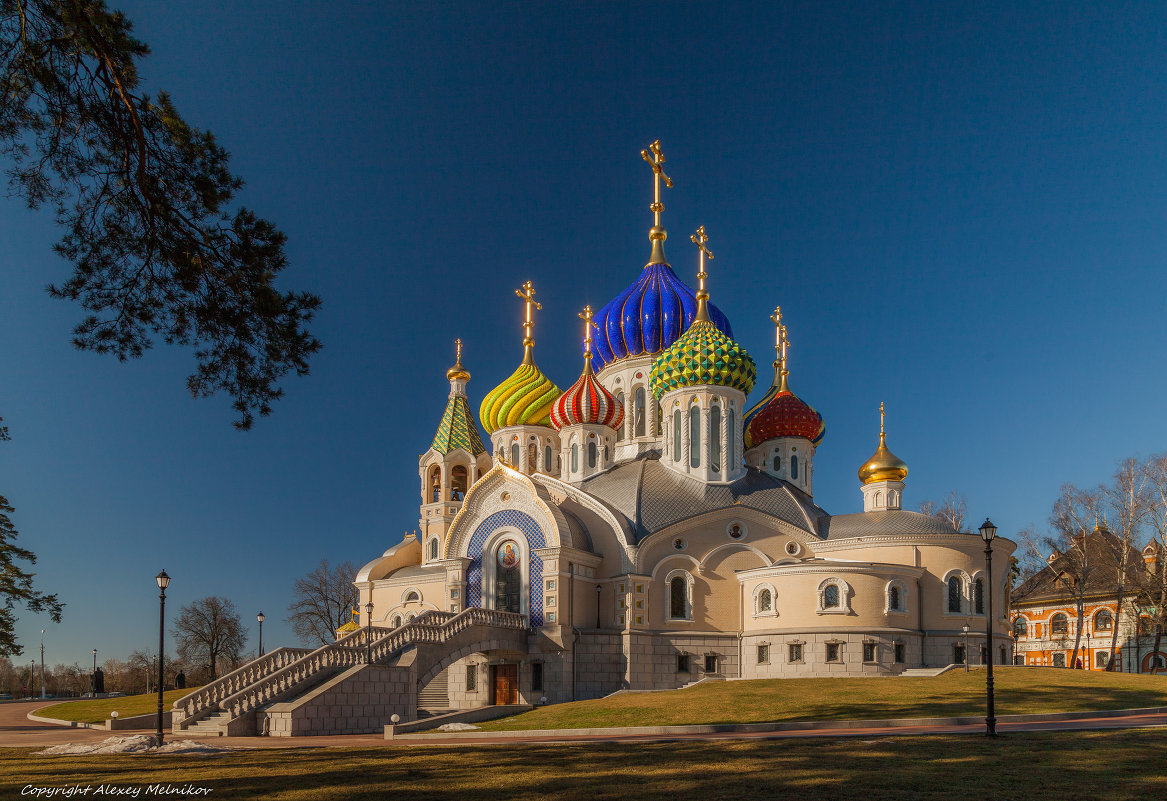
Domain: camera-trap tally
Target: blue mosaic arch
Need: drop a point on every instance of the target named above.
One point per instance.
(535, 539)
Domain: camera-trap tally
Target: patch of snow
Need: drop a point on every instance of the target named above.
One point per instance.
(456, 727)
(136, 744)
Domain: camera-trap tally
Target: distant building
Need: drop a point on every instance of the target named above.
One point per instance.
(1045, 614)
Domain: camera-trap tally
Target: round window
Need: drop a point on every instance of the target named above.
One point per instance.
(792, 548)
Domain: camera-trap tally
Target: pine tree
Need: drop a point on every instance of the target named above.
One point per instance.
(16, 583)
(158, 247)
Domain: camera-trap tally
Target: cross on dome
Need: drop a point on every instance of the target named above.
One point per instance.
(586, 316)
(701, 239)
(527, 294)
(657, 234)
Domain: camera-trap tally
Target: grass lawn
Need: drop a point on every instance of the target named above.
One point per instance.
(1018, 691)
(1114, 764)
(97, 710)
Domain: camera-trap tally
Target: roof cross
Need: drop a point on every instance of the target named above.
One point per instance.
(700, 239)
(527, 293)
(656, 160)
(586, 315)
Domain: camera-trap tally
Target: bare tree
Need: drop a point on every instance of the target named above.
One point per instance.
(322, 600)
(952, 509)
(1126, 504)
(209, 632)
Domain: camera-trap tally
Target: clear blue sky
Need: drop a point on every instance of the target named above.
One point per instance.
(960, 210)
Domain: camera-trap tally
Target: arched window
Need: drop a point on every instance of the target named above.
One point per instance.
(514, 454)
(1020, 626)
(434, 548)
(1146, 627)
(777, 461)
(677, 435)
(794, 467)
(620, 430)
(1103, 621)
(765, 601)
(954, 594)
(730, 440)
(694, 436)
(893, 598)
(591, 454)
(533, 456)
(458, 483)
(891, 498)
(547, 459)
(831, 597)
(412, 598)
(574, 458)
(1059, 624)
(660, 416)
(715, 439)
(396, 621)
(639, 410)
(436, 484)
(680, 586)
(979, 596)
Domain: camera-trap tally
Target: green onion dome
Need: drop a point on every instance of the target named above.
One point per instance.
(525, 398)
(703, 356)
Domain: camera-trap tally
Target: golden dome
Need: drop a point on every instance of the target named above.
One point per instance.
(883, 464)
(458, 372)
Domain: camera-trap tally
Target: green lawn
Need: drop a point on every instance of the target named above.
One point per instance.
(1018, 691)
(1117, 765)
(97, 711)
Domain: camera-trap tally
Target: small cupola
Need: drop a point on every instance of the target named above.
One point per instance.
(882, 476)
(587, 417)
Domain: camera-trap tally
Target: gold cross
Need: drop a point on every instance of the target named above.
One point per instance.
(700, 239)
(656, 161)
(881, 420)
(527, 293)
(776, 318)
(458, 349)
(586, 316)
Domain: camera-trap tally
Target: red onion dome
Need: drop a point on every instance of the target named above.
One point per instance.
(587, 402)
(781, 413)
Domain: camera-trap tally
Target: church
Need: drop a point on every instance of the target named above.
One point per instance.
(648, 527)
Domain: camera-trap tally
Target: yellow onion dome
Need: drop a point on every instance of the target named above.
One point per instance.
(525, 398)
(883, 465)
(703, 356)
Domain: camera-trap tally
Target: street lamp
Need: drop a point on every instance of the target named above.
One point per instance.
(93, 676)
(42, 663)
(599, 589)
(369, 633)
(965, 654)
(163, 582)
(259, 617)
(988, 533)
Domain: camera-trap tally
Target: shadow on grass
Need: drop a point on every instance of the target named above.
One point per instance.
(1126, 763)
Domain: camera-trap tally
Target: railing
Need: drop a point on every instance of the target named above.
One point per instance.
(207, 697)
(353, 650)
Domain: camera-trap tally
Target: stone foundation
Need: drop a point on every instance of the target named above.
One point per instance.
(361, 700)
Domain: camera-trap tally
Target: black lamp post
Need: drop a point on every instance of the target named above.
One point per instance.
(42, 663)
(988, 533)
(93, 676)
(163, 582)
(259, 617)
(369, 633)
(965, 654)
(599, 589)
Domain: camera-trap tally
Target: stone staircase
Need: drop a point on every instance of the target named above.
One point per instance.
(228, 706)
(434, 698)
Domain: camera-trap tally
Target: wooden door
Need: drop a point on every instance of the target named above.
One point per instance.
(506, 684)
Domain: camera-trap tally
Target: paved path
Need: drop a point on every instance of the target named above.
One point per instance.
(19, 732)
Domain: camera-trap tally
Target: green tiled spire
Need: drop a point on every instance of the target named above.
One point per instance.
(458, 429)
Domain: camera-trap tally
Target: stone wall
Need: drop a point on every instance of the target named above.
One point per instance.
(361, 700)
(814, 662)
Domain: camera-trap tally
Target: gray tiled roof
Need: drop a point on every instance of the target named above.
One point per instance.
(864, 524)
(652, 497)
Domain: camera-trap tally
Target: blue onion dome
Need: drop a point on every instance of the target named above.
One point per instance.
(649, 316)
